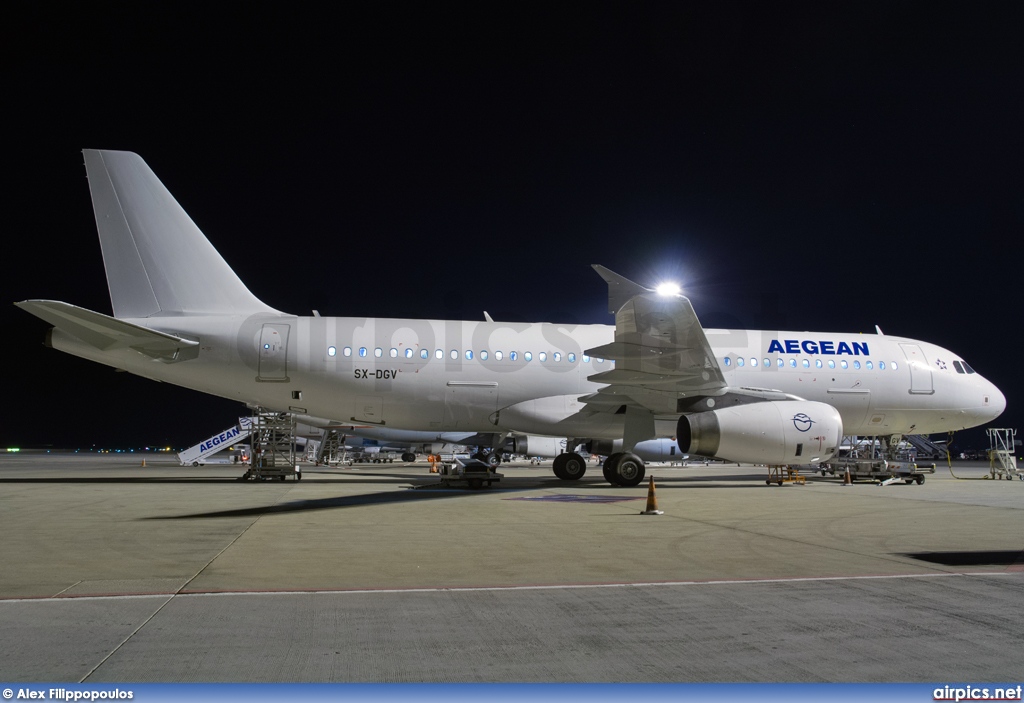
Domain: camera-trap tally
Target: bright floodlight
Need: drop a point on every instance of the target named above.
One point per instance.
(668, 289)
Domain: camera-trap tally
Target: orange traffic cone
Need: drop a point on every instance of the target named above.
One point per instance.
(652, 501)
(847, 481)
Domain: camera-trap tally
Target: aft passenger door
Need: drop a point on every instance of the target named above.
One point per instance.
(273, 359)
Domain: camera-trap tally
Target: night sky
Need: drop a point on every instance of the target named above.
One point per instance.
(807, 166)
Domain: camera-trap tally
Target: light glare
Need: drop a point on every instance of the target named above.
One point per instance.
(668, 289)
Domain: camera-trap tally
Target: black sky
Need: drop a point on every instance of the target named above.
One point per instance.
(807, 166)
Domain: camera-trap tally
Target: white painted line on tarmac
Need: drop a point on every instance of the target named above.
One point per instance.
(540, 587)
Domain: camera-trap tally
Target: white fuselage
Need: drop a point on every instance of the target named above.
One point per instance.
(455, 376)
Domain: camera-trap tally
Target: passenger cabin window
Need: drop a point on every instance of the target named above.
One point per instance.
(782, 362)
(844, 364)
(792, 363)
(557, 356)
(408, 352)
(378, 352)
(739, 361)
(869, 365)
(512, 356)
(332, 351)
(728, 361)
(806, 364)
(753, 362)
(856, 364)
(455, 354)
(528, 356)
(424, 354)
(393, 353)
(483, 355)
(881, 366)
(572, 358)
(817, 363)
(498, 355)
(347, 351)
(439, 354)
(469, 355)
(893, 366)
(362, 351)
(831, 363)
(767, 363)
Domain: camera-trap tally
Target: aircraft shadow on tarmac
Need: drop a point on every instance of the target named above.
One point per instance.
(971, 558)
(426, 491)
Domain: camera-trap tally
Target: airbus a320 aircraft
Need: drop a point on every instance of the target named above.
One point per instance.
(181, 315)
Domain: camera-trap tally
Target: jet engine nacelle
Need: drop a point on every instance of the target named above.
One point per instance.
(773, 432)
(648, 450)
(533, 445)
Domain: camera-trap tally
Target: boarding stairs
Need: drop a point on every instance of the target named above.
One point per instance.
(1002, 461)
(273, 447)
(200, 453)
(331, 449)
(926, 448)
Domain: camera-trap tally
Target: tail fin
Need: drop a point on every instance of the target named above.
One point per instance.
(157, 260)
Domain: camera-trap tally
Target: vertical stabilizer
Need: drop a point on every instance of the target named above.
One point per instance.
(157, 259)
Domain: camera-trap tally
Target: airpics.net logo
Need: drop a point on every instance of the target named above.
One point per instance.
(977, 693)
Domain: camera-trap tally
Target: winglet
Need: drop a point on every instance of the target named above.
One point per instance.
(620, 289)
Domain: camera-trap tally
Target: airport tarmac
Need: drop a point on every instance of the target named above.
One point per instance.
(114, 572)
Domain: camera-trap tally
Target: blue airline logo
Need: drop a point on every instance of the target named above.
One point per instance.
(219, 439)
(794, 346)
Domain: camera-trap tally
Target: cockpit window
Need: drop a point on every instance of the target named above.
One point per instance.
(958, 367)
(968, 369)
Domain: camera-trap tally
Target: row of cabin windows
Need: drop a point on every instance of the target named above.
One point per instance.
(455, 354)
(806, 363)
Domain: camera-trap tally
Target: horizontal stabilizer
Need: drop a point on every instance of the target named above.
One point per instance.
(108, 333)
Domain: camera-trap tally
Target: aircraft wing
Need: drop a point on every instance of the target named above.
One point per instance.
(107, 333)
(660, 350)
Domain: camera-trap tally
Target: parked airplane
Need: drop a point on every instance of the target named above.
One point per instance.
(181, 315)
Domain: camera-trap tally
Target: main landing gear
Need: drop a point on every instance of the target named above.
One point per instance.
(491, 458)
(624, 469)
(569, 467)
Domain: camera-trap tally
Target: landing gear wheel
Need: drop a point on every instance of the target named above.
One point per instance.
(408, 457)
(920, 480)
(573, 467)
(558, 467)
(492, 459)
(624, 469)
(608, 468)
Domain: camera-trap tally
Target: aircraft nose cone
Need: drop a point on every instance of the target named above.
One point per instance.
(996, 402)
